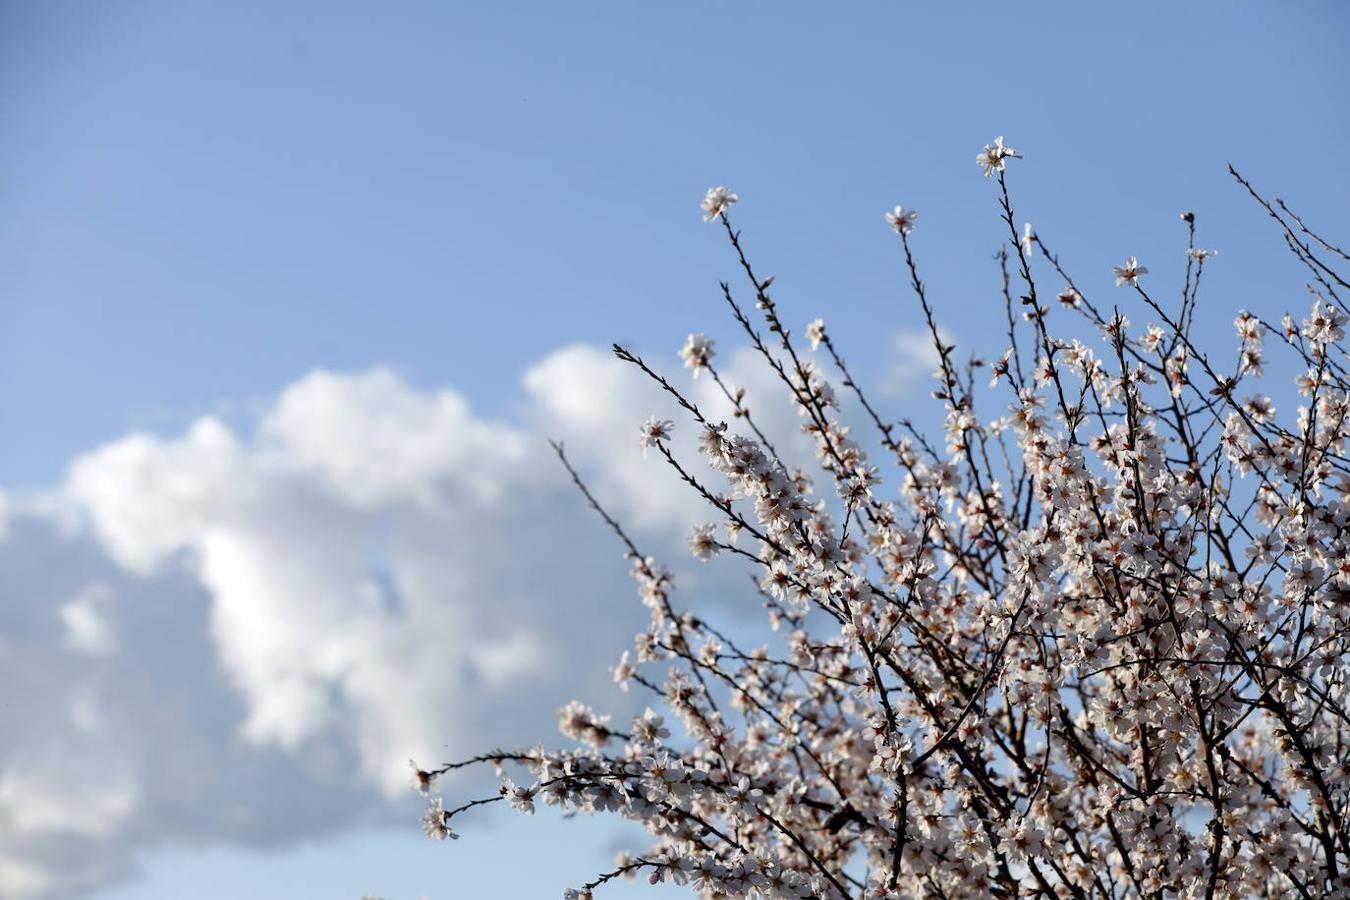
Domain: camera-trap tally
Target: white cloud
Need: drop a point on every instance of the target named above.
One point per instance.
(86, 619)
(373, 441)
(147, 497)
(23, 879)
(265, 628)
(285, 534)
(52, 794)
(914, 359)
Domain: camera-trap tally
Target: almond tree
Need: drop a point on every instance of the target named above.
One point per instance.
(1092, 647)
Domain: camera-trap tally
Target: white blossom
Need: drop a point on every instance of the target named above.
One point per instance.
(1129, 273)
(902, 220)
(703, 543)
(649, 728)
(435, 822)
(1089, 643)
(717, 201)
(993, 158)
(421, 780)
(655, 430)
(697, 352)
(1325, 325)
(815, 332)
(623, 672)
(521, 799)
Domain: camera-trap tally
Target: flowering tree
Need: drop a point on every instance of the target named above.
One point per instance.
(1093, 647)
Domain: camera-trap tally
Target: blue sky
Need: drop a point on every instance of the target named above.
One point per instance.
(202, 203)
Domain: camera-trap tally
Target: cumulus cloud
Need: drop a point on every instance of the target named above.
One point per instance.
(913, 358)
(88, 628)
(243, 637)
(102, 753)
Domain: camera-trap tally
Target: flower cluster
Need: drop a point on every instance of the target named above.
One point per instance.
(1093, 646)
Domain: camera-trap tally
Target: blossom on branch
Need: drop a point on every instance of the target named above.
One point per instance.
(1129, 273)
(815, 333)
(653, 431)
(1093, 643)
(902, 220)
(994, 157)
(435, 821)
(717, 201)
(697, 352)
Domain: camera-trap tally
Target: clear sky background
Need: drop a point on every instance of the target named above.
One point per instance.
(448, 208)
